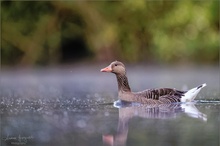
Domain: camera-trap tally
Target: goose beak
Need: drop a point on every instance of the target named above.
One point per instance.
(107, 69)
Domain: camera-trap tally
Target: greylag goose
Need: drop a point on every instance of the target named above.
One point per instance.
(149, 96)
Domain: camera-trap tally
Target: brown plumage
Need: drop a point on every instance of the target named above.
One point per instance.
(149, 96)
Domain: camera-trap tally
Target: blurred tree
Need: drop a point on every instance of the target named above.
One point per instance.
(29, 28)
(50, 32)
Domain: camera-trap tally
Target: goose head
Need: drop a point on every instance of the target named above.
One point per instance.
(115, 67)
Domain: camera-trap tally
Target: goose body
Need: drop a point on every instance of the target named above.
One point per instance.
(149, 96)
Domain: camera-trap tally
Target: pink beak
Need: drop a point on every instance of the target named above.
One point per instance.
(107, 69)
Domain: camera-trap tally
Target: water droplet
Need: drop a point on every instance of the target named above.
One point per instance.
(106, 114)
(81, 123)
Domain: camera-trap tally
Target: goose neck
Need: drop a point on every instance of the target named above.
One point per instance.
(123, 84)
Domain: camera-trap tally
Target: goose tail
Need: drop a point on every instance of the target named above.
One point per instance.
(191, 94)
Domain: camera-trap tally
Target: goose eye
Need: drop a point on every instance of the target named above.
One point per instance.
(116, 65)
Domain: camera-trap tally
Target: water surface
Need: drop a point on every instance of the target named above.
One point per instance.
(74, 106)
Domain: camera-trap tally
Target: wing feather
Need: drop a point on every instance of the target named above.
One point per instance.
(161, 95)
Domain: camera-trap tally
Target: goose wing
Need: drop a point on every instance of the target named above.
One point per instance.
(165, 95)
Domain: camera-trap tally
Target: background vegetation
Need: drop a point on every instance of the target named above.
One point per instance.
(55, 32)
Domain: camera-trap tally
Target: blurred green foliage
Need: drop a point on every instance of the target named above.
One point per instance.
(52, 32)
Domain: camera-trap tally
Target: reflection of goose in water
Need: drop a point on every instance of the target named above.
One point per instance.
(162, 111)
(192, 111)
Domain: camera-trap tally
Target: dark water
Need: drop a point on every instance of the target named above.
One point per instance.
(74, 107)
